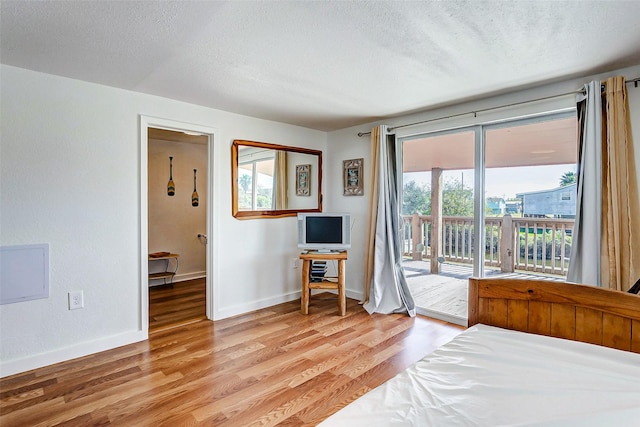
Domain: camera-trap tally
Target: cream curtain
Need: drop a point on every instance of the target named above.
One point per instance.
(620, 243)
(373, 213)
(281, 181)
(386, 289)
(606, 241)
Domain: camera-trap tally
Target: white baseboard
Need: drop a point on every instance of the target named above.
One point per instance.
(189, 276)
(356, 295)
(12, 367)
(451, 318)
(269, 302)
(180, 278)
(223, 313)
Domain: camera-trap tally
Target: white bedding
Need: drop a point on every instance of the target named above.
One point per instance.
(488, 376)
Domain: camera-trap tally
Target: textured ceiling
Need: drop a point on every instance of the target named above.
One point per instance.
(326, 64)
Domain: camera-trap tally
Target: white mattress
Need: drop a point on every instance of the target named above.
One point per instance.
(489, 376)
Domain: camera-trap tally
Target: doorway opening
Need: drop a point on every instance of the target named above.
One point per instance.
(176, 218)
(177, 227)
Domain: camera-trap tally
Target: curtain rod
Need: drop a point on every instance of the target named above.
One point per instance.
(475, 112)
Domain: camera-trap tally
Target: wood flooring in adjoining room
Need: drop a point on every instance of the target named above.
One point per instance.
(274, 366)
(184, 302)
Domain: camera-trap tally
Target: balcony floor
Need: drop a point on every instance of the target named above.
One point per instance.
(444, 296)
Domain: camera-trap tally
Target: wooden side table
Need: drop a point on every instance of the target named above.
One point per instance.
(327, 282)
(168, 273)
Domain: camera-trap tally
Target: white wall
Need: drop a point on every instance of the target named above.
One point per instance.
(294, 200)
(345, 144)
(70, 177)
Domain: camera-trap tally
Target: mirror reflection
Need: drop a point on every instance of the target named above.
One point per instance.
(274, 181)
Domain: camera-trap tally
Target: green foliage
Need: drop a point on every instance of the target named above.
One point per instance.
(456, 199)
(245, 182)
(416, 198)
(568, 178)
(539, 239)
(244, 201)
(264, 198)
(244, 192)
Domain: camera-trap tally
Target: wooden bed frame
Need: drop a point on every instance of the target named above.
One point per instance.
(577, 312)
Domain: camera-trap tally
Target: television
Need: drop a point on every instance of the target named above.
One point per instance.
(324, 232)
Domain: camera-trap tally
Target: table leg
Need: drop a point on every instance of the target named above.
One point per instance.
(342, 298)
(304, 299)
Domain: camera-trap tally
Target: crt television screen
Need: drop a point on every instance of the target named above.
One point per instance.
(324, 229)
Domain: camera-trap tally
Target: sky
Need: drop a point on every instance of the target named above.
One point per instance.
(504, 182)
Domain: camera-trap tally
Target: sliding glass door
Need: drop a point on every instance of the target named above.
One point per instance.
(438, 216)
(490, 199)
(530, 195)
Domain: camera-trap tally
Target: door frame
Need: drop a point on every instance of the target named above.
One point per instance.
(147, 122)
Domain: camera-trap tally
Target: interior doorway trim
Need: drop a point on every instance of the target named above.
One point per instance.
(147, 122)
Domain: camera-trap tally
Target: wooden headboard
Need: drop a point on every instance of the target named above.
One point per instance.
(564, 310)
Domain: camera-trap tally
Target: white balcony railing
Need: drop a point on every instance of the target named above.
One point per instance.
(526, 244)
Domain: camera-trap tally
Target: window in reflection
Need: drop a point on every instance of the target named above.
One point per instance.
(255, 180)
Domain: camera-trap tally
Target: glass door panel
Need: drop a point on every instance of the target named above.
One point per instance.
(525, 172)
(530, 195)
(438, 215)
(255, 184)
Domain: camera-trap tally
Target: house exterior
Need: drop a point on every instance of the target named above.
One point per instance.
(496, 206)
(514, 206)
(555, 203)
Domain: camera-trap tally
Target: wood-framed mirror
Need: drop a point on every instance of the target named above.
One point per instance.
(274, 181)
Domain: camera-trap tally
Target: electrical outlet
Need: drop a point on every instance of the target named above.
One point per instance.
(294, 262)
(76, 300)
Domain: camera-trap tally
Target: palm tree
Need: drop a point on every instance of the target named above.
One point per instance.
(567, 179)
(245, 182)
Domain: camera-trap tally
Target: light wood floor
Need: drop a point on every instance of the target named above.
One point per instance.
(271, 367)
(185, 302)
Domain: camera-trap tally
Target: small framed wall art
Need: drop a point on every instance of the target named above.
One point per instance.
(303, 175)
(353, 177)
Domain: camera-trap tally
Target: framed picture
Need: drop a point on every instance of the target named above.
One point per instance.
(353, 177)
(303, 176)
